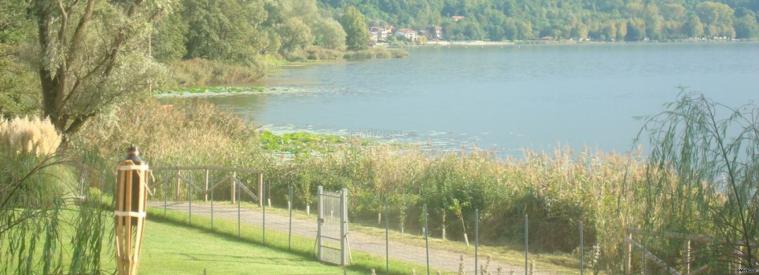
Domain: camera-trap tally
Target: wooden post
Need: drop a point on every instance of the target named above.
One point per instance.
(260, 190)
(130, 215)
(232, 186)
(205, 194)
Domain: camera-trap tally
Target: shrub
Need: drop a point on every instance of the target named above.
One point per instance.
(201, 72)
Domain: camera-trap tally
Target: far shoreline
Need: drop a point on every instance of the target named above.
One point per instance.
(485, 43)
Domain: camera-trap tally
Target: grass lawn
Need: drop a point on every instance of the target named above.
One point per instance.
(564, 263)
(302, 248)
(173, 249)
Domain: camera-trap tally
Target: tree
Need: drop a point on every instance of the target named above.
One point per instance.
(693, 27)
(295, 36)
(636, 30)
(717, 17)
(169, 39)
(701, 171)
(746, 26)
(329, 34)
(621, 30)
(357, 33)
(610, 31)
(225, 30)
(89, 58)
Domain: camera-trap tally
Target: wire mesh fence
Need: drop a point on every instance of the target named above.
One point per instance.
(438, 240)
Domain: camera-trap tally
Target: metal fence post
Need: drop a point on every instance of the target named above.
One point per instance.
(233, 187)
(582, 250)
(387, 239)
(189, 201)
(476, 240)
(260, 189)
(426, 240)
(526, 245)
(319, 221)
(179, 184)
(290, 210)
(343, 225)
(205, 194)
(165, 200)
(263, 211)
(212, 208)
(237, 186)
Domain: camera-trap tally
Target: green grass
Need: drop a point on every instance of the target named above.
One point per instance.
(559, 262)
(174, 249)
(362, 263)
(510, 254)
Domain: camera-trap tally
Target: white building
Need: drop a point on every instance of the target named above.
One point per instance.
(407, 33)
(380, 33)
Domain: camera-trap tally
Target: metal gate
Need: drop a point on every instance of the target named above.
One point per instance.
(332, 234)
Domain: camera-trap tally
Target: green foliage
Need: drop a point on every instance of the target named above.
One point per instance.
(168, 40)
(203, 73)
(329, 34)
(497, 20)
(717, 19)
(300, 142)
(701, 179)
(694, 27)
(223, 30)
(294, 37)
(19, 96)
(746, 26)
(357, 32)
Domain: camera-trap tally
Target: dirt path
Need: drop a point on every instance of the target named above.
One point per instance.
(442, 260)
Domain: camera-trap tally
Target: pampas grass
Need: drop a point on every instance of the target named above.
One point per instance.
(25, 135)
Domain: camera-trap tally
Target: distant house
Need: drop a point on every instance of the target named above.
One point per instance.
(380, 33)
(407, 33)
(457, 18)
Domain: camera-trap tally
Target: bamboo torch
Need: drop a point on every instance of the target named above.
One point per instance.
(131, 198)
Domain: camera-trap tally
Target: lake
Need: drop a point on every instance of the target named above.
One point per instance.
(504, 98)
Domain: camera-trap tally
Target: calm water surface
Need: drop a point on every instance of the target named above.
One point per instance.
(507, 98)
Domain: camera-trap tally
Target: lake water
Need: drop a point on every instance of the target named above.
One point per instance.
(504, 99)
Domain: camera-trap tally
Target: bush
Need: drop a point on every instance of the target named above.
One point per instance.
(201, 72)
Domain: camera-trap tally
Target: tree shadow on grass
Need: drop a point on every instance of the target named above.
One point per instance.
(305, 256)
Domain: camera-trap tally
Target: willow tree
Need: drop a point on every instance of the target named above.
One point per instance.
(92, 54)
(702, 180)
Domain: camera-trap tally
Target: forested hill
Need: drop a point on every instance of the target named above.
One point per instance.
(563, 19)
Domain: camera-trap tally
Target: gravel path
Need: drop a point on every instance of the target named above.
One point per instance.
(442, 260)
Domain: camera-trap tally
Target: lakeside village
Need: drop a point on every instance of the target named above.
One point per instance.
(382, 34)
